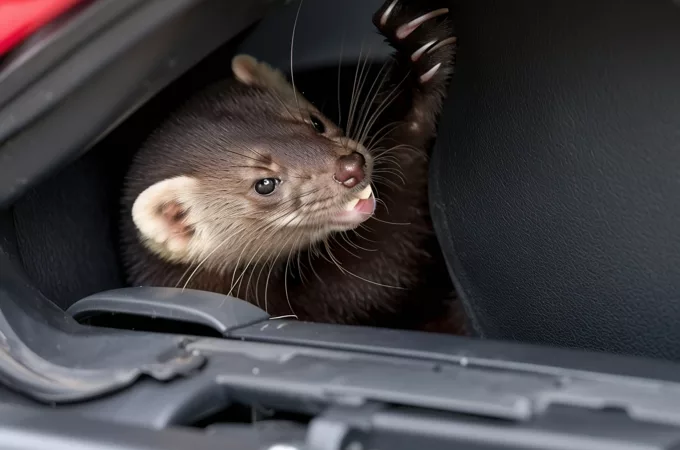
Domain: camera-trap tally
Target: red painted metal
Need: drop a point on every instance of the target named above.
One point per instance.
(21, 18)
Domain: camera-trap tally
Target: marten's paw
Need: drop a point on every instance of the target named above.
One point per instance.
(421, 33)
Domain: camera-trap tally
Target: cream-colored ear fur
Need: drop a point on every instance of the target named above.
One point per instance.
(252, 72)
(160, 214)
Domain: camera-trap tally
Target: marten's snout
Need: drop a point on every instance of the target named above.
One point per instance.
(349, 169)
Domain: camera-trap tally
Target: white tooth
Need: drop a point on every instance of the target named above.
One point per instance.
(351, 204)
(366, 193)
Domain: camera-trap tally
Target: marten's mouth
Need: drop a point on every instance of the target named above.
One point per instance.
(357, 210)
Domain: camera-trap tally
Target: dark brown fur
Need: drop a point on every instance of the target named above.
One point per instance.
(396, 248)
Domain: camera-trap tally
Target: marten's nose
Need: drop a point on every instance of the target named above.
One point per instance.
(349, 169)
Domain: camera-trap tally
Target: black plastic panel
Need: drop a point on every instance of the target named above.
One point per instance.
(46, 356)
(455, 389)
(554, 179)
(460, 350)
(327, 33)
(48, 46)
(106, 76)
(30, 428)
(216, 311)
(596, 409)
(364, 388)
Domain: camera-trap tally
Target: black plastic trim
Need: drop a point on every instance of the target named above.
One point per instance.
(42, 53)
(465, 351)
(42, 380)
(308, 378)
(218, 312)
(46, 356)
(32, 428)
(98, 84)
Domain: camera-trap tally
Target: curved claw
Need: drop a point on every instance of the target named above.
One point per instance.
(418, 53)
(388, 11)
(427, 76)
(447, 41)
(405, 30)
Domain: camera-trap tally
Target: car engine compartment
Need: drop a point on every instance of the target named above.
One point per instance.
(87, 360)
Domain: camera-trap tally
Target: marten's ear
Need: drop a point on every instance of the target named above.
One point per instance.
(252, 72)
(161, 215)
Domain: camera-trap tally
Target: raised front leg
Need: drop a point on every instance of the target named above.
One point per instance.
(389, 272)
(421, 33)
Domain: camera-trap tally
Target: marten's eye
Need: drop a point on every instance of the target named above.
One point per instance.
(318, 124)
(266, 186)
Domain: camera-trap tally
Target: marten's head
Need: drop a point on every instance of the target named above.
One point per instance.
(246, 171)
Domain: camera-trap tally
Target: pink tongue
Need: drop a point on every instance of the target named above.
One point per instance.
(366, 206)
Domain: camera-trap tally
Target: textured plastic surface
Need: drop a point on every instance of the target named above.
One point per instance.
(328, 32)
(561, 429)
(103, 77)
(471, 388)
(554, 180)
(217, 311)
(339, 428)
(352, 395)
(46, 356)
(307, 378)
(45, 50)
(550, 360)
(31, 428)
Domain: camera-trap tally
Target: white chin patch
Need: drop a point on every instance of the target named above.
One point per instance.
(363, 195)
